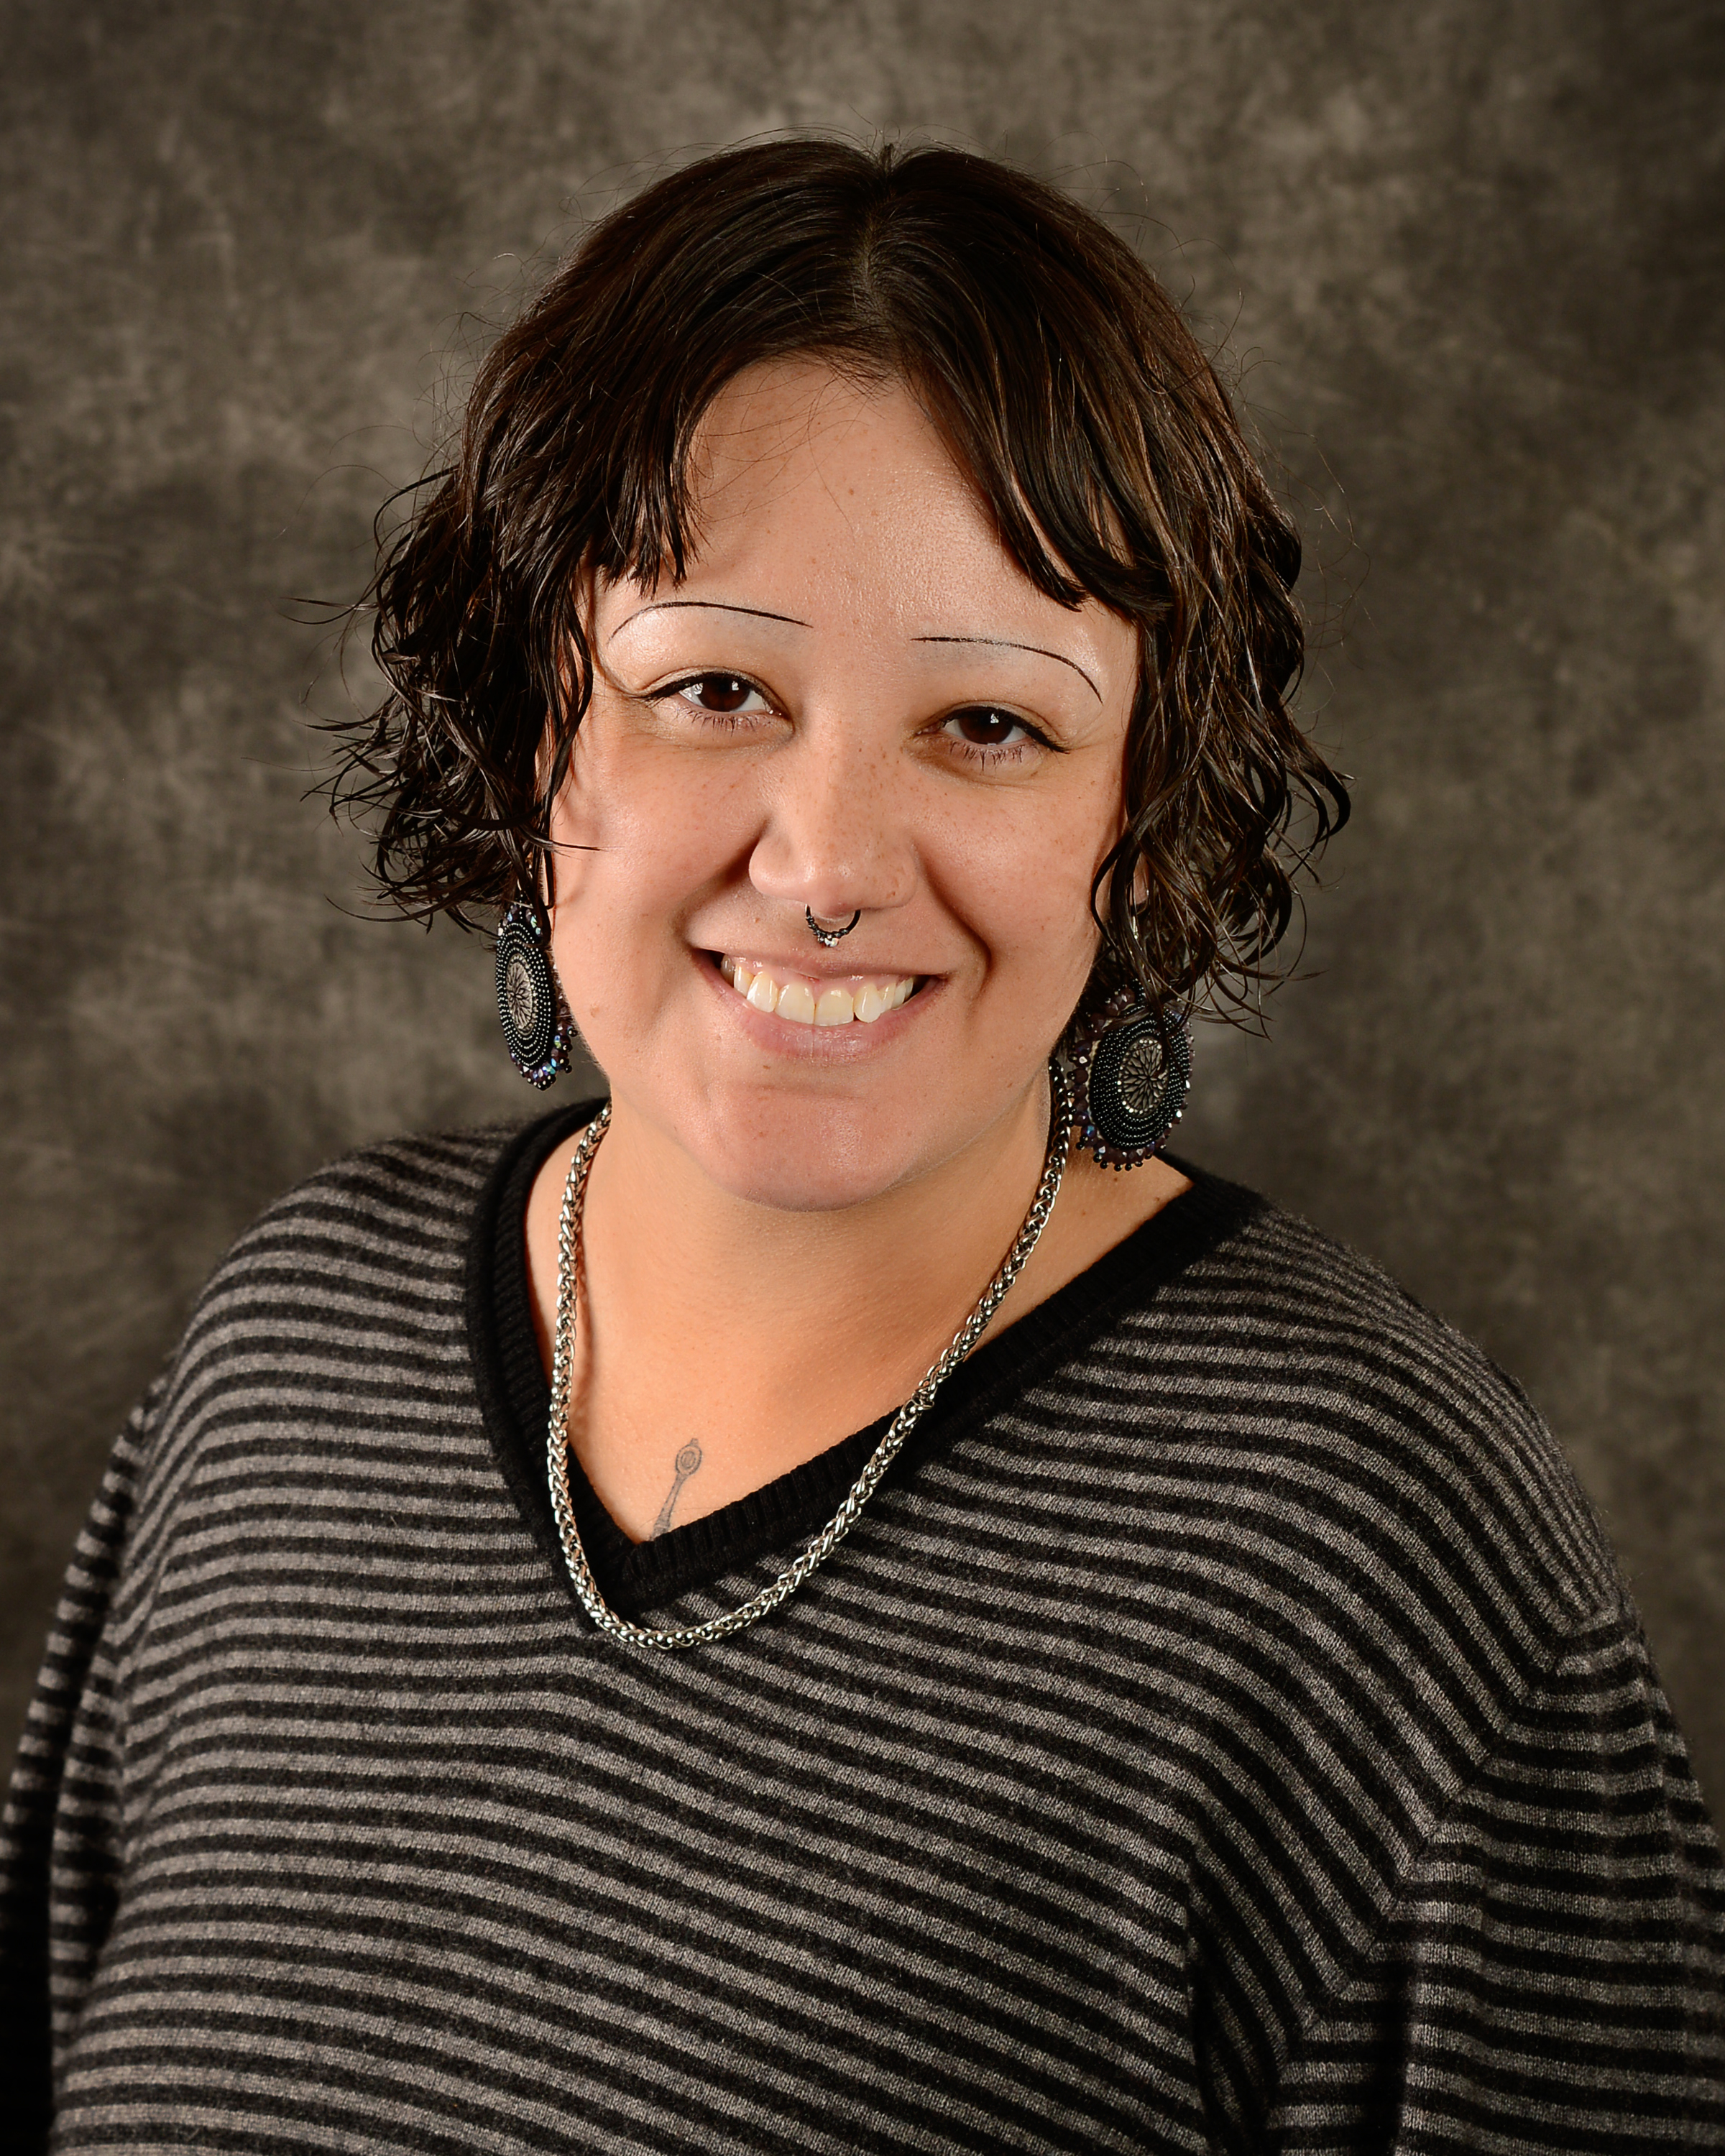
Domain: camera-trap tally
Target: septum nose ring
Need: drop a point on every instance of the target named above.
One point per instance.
(826, 937)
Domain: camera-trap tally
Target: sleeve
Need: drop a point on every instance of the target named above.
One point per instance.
(59, 1832)
(1552, 1975)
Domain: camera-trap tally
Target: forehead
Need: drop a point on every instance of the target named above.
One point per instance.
(834, 497)
(796, 451)
(769, 416)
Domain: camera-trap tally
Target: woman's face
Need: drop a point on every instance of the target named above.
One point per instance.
(854, 700)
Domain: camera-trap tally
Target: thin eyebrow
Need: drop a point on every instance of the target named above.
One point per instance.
(1006, 644)
(720, 606)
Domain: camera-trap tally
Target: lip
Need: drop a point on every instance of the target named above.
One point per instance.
(840, 1044)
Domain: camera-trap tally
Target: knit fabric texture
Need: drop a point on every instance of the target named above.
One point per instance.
(1224, 1730)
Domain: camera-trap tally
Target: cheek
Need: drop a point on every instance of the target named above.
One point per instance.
(1024, 882)
(642, 835)
(1029, 915)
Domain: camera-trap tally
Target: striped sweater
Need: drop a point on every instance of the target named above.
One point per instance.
(1225, 1729)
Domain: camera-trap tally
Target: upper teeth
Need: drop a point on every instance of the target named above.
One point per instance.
(807, 1002)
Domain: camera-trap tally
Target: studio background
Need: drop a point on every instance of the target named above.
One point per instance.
(1468, 258)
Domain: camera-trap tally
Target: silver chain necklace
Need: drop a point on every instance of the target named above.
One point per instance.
(569, 1253)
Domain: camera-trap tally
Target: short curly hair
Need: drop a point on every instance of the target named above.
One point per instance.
(1063, 381)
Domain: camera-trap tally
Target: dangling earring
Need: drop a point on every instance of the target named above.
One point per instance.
(1133, 1069)
(535, 1019)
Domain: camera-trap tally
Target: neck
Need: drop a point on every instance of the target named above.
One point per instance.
(806, 1291)
(764, 1336)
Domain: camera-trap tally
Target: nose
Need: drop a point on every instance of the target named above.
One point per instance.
(835, 838)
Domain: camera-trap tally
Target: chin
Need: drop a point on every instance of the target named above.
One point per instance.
(807, 1172)
(809, 1156)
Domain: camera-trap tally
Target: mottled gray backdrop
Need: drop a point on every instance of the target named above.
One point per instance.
(1468, 258)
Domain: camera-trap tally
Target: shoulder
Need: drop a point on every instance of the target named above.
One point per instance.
(1336, 1559)
(416, 1191)
(358, 1270)
(328, 1349)
(1326, 1414)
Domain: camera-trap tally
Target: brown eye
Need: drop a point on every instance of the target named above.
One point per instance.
(720, 692)
(985, 727)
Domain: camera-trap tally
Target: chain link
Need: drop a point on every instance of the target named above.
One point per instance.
(569, 1261)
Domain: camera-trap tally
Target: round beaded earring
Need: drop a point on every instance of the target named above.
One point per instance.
(536, 1023)
(1132, 1070)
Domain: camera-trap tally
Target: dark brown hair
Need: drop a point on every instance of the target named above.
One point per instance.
(1064, 382)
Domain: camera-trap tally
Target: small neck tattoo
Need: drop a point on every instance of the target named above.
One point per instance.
(687, 1463)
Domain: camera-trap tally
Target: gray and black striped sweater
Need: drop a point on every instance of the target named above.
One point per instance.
(1225, 1729)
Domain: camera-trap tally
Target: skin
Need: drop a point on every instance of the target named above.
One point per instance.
(854, 699)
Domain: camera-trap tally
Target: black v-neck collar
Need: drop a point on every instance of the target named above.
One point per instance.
(516, 1398)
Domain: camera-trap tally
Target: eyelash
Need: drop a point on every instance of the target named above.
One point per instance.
(979, 755)
(990, 756)
(730, 721)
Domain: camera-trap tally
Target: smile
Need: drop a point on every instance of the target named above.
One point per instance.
(861, 998)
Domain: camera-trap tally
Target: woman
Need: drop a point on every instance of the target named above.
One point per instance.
(548, 1667)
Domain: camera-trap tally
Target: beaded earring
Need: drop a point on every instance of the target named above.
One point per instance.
(1132, 1069)
(536, 1023)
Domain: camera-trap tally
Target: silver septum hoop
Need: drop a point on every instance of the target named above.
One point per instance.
(826, 937)
(569, 1249)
